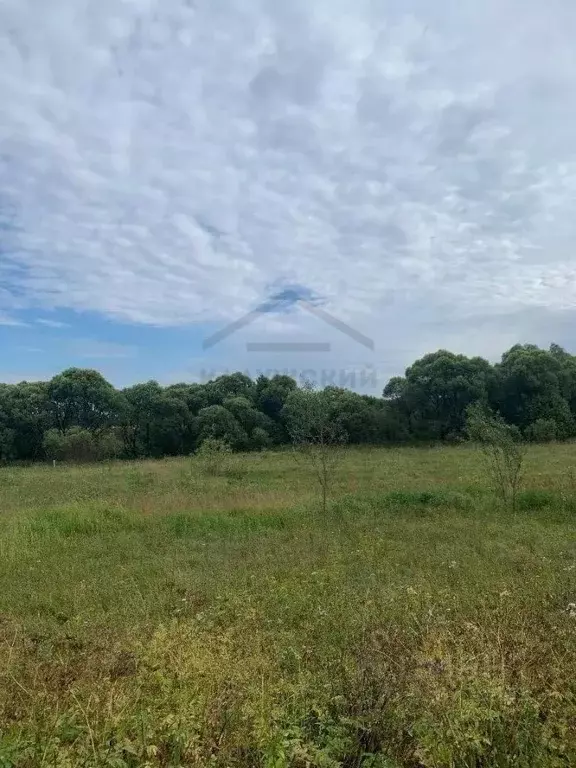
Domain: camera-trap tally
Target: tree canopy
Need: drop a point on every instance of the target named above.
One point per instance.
(78, 414)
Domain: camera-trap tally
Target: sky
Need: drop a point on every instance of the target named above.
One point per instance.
(171, 167)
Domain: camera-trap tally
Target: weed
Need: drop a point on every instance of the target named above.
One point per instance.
(535, 499)
(214, 456)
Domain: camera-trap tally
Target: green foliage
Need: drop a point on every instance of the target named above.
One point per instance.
(314, 425)
(271, 394)
(437, 390)
(533, 390)
(535, 499)
(82, 398)
(502, 449)
(432, 499)
(542, 431)
(156, 422)
(110, 445)
(533, 384)
(258, 427)
(81, 445)
(213, 455)
(231, 385)
(219, 423)
(24, 417)
(7, 444)
(260, 439)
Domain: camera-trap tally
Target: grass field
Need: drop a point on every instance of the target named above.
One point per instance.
(152, 614)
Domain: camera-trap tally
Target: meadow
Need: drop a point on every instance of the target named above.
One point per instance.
(156, 613)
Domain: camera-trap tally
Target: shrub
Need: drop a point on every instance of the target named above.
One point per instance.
(75, 445)
(542, 431)
(535, 499)
(260, 439)
(502, 449)
(316, 434)
(214, 455)
(81, 445)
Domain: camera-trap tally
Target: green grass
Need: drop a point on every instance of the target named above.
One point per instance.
(151, 615)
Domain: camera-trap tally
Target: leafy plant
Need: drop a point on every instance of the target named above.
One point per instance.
(214, 455)
(316, 434)
(542, 431)
(503, 452)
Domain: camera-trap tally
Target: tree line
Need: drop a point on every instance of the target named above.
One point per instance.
(79, 414)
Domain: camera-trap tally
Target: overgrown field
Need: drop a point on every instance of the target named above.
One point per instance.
(157, 614)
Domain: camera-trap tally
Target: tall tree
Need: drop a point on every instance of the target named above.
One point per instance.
(156, 422)
(82, 397)
(219, 423)
(532, 384)
(436, 391)
(271, 394)
(230, 385)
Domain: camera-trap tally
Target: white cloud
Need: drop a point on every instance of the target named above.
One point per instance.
(6, 319)
(51, 323)
(168, 162)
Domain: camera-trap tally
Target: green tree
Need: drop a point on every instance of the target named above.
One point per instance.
(363, 418)
(195, 396)
(230, 385)
(7, 444)
(260, 439)
(532, 384)
(156, 422)
(217, 422)
(542, 431)
(251, 419)
(436, 391)
(82, 398)
(76, 444)
(316, 433)
(24, 415)
(271, 394)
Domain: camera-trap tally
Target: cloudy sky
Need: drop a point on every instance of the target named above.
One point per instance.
(166, 166)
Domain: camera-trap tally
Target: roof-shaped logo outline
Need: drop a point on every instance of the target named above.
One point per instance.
(278, 303)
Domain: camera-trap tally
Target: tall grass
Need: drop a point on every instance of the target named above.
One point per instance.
(154, 615)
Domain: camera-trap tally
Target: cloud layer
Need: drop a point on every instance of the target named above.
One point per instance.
(171, 162)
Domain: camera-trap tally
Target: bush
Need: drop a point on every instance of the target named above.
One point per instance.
(260, 439)
(7, 449)
(316, 433)
(542, 431)
(81, 445)
(432, 499)
(535, 499)
(110, 446)
(502, 450)
(214, 455)
(75, 445)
